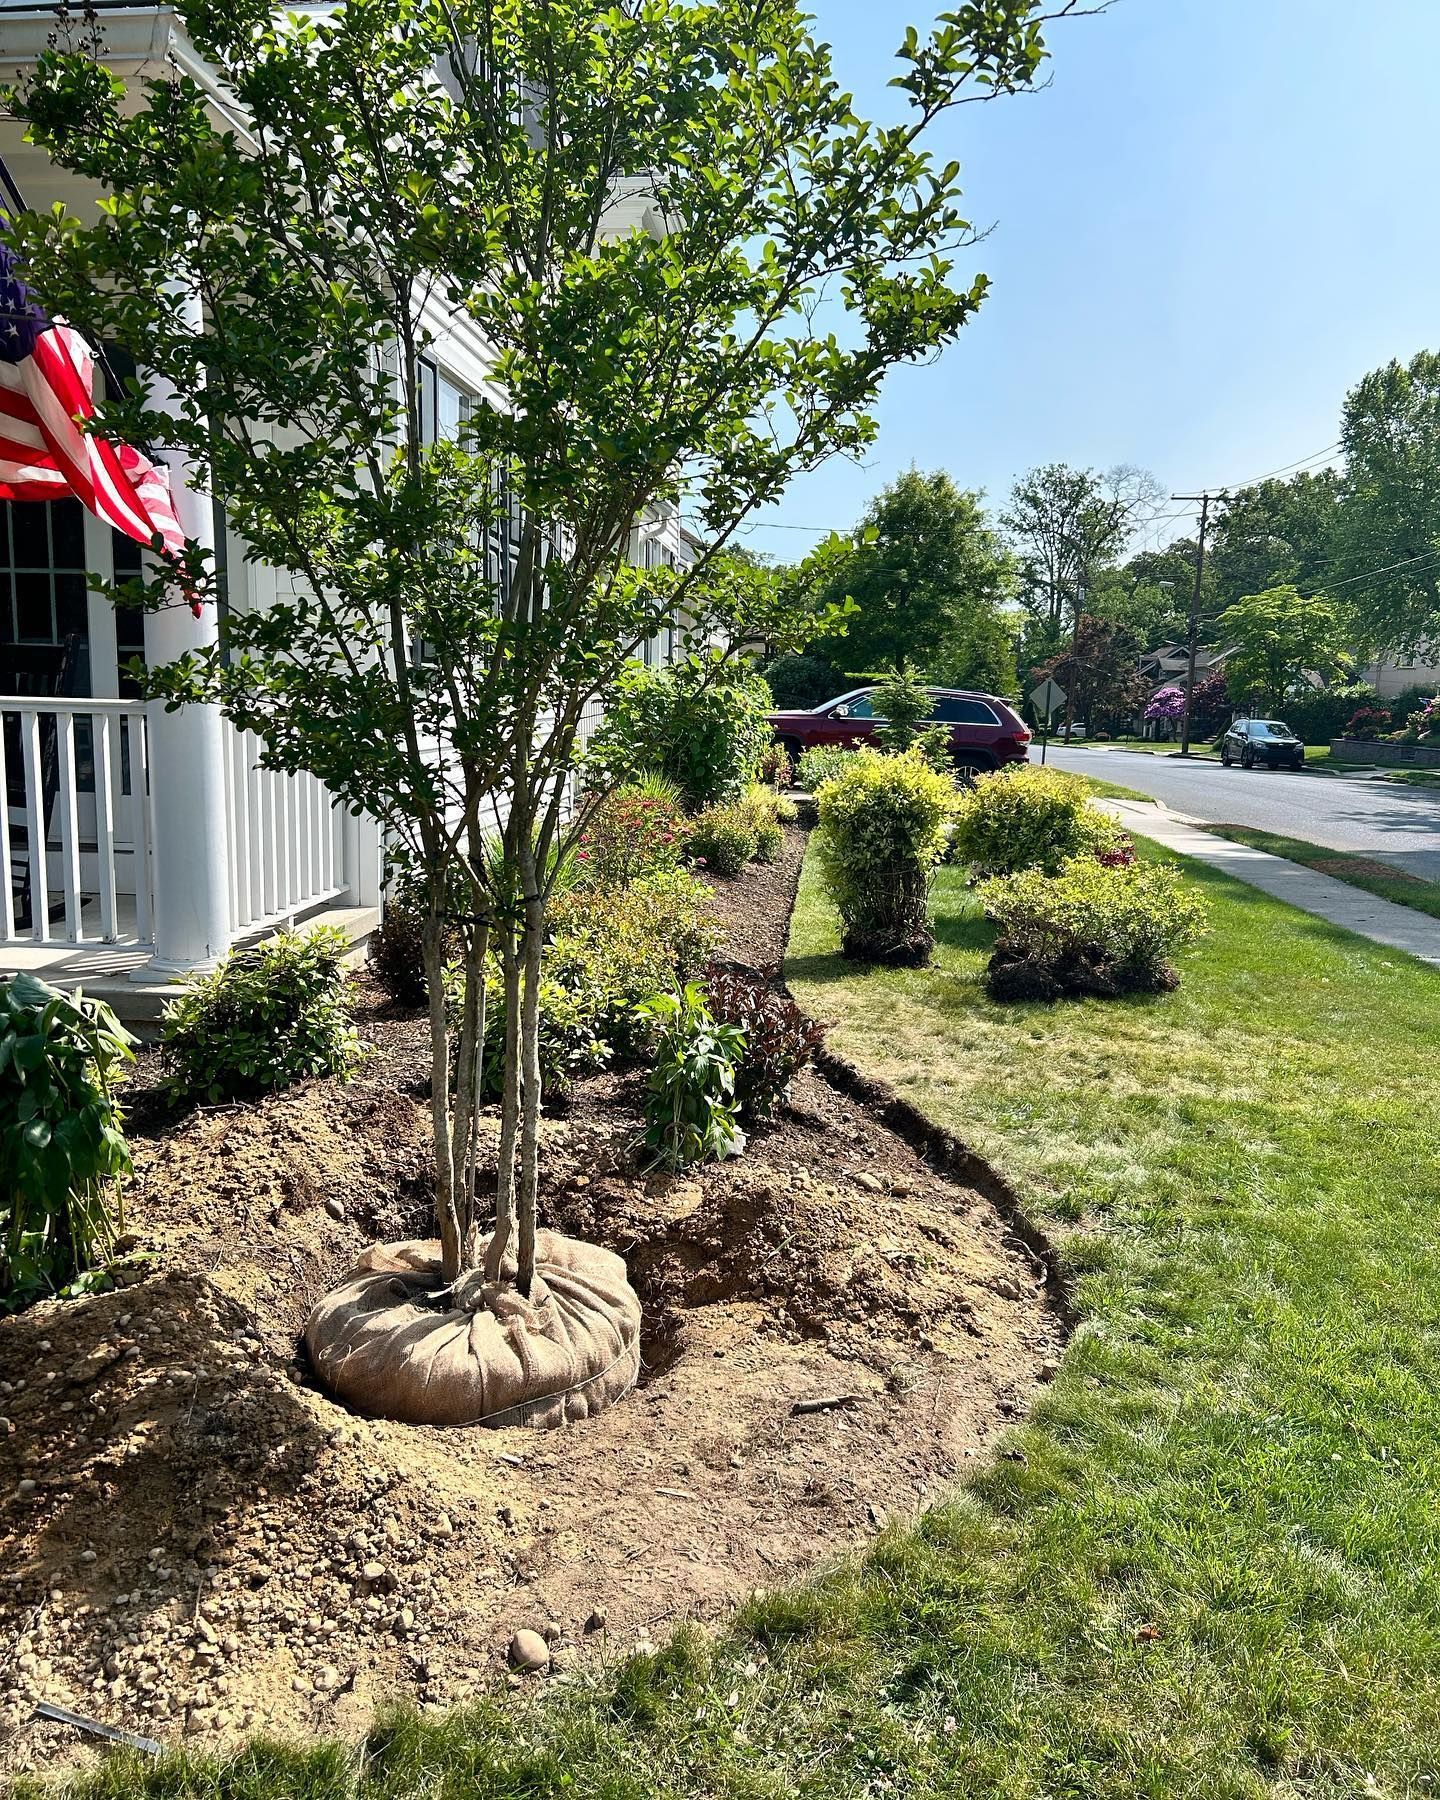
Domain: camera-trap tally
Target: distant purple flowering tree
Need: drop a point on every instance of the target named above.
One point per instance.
(1167, 704)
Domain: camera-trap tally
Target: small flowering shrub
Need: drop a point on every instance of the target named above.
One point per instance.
(779, 1040)
(264, 1019)
(1423, 725)
(820, 765)
(1367, 722)
(724, 838)
(1028, 818)
(638, 830)
(882, 830)
(1089, 930)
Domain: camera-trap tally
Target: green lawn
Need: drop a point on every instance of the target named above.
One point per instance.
(1209, 1565)
(1356, 871)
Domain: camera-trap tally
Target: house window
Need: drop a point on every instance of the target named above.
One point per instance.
(43, 604)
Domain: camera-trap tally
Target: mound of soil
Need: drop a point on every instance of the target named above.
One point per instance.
(197, 1541)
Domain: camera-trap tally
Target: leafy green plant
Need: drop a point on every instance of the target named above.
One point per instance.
(264, 1019)
(62, 1147)
(1095, 928)
(638, 830)
(1029, 818)
(779, 1040)
(902, 705)
(776, 766)
(691, 1113)
(724, 838)
(612, 948)
(768, 813)
(820, 765)
(702, 723)
(882, 830)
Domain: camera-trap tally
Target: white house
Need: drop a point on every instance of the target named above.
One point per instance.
(164, 842)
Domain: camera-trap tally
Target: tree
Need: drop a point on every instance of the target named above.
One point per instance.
(982, 656)
(281, 282)
(927, 575)
(1066, 525)
(1150, 592)
(1389, 517)
(1280, 637)
(1273, 533)
(1100, 672)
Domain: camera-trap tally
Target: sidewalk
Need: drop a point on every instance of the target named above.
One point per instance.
(1382, 921)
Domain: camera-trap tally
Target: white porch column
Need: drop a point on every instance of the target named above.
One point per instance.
(191, 854)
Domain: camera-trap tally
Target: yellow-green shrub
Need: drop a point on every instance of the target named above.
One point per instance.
(882, 830)
(1029, 818)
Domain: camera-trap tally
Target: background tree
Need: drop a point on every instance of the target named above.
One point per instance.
(1281, 637)
(1150, 592)
(928, 577)
(1390, 509)
(1066, 526)
(1273, 533)
(1100, 671)
(387, 162)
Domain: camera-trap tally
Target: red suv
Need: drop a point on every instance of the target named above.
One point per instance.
(984, 732)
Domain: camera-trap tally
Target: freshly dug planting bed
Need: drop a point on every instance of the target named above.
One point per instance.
(196, 1541)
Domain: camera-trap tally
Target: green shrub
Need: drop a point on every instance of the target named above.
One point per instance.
(776, 767)
(882, 830)
(779, 1040)
(691, 1114)
(724, 838)
(638, 830)
(1091, 929)
(1029, 818)
(265, 1018)
(397, 951)
(821, 764)
(801, 683)
(610, 949)
(702, 724)
(768, 813)
(62, 1147)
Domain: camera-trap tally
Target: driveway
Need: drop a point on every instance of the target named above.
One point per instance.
(1390, 822)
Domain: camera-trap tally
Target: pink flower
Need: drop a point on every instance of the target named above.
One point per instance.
(582, 856)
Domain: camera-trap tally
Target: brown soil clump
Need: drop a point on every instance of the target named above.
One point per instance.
(197, 1541)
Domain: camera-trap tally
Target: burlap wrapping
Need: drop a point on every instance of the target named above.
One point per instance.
(488, 1358)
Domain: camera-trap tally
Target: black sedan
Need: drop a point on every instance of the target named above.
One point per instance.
(1268, 741)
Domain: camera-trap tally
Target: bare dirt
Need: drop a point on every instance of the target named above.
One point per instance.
(197, 1542)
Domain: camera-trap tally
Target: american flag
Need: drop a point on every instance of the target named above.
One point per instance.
(47, 384)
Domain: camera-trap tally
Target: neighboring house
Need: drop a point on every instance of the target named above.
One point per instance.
(164, 842)
(1392, 674)
(1169, 666)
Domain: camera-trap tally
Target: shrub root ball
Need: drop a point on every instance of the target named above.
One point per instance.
(389, 1343)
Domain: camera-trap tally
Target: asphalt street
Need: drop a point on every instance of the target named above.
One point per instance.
(1386, 820)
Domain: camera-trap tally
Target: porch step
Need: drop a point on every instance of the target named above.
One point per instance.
(102, 971)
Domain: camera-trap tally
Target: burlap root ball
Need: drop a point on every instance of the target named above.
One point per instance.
(483, 1357)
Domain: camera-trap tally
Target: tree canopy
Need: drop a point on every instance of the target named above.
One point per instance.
(1275, 532)
(1281, 637)
(1389, 522)
(928, 577)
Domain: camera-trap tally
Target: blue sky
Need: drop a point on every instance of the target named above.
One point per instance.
(1219, 215)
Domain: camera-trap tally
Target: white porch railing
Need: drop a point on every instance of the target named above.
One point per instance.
(78, 779)
(75, 836)
(287, 838)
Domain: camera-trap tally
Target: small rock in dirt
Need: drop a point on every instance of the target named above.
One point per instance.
(27, 1486)
(442, 1527)
(335, 1208)
(1006, 1288)
(327, 1679)
(872, 1184)
(552, 1631)
(529, 1652)
(1049, 1369)
(596, 1621)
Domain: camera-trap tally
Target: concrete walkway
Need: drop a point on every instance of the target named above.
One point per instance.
(1397, 927)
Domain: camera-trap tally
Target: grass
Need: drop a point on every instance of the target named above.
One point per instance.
(1112, 790)
(1365, 872)
(1209, 1563)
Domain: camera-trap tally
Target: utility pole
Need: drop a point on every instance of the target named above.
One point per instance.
(1074, 680)
(1204, 500)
